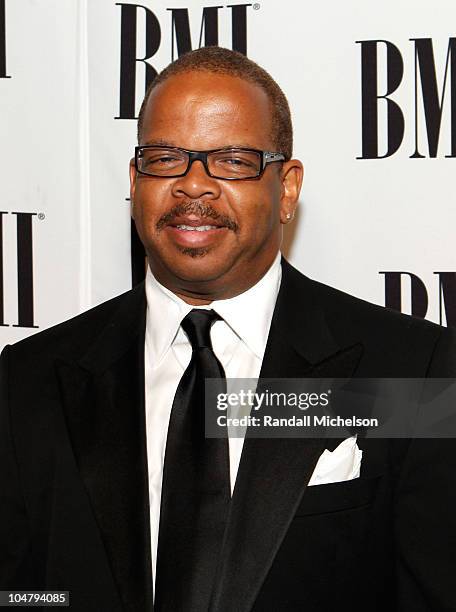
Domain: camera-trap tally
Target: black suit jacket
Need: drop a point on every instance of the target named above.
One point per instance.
(74, 511)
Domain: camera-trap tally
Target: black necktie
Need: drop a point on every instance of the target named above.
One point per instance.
(196, 484)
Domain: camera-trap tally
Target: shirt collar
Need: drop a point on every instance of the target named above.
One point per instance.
(248, 314)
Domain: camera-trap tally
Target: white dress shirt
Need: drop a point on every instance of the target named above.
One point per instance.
(239, 341)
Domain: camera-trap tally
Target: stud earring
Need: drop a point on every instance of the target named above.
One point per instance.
(288, 216)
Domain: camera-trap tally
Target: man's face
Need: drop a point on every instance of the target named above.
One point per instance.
(204, 111)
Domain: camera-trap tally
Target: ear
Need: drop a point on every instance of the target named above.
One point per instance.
(291, 175)
(132, 187)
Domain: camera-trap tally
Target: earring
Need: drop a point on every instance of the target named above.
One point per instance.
(288, 215)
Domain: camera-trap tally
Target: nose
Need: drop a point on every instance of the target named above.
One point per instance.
(196, 184)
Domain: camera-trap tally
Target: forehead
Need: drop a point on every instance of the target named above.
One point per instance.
(202, 110)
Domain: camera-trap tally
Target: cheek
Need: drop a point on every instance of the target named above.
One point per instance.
(258, 209)
(150, 202)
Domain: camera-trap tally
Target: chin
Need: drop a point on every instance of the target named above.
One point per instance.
(198, 267)
(194, 252)
(190, 264)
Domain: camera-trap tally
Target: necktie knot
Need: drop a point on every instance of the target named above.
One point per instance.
(197, 325)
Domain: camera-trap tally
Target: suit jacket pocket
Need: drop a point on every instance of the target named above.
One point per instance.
(338, 496)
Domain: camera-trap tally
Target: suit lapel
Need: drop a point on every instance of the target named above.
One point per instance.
(103, 398)
(273, 473)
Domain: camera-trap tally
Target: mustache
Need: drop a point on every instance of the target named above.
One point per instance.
(196, 207)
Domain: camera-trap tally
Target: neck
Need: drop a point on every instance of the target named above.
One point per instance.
(202, 293)
(194, 300)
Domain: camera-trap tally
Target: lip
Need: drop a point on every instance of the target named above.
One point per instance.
(195, 238)
(195, 221)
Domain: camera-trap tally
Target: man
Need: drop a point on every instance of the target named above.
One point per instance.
(108, 487)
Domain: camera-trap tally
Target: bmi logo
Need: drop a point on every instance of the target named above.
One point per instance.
(181, 42)
(24, 229)
(419, 296)
(433, 95)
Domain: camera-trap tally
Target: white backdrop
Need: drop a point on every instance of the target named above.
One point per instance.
(65, 66)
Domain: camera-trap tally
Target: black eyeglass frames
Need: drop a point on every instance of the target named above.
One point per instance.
(229, 164)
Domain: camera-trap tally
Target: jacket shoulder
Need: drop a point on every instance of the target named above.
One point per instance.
(356, 311)
(401, 342)
(71, 338)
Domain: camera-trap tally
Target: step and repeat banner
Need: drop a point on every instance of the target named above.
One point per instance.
(372, 89)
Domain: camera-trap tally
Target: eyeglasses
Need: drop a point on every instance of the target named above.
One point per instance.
(228, 164)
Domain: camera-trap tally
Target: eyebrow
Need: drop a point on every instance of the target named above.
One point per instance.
(158, 142)
(169, 143)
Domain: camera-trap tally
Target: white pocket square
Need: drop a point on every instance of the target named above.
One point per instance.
(341, 464)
